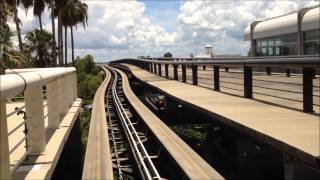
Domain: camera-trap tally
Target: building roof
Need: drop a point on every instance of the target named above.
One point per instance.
(284, 24)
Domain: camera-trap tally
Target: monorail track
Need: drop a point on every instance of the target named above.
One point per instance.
(120, 106)
(137, 140)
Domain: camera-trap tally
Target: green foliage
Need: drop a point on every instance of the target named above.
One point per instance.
(88, 78)
(168, 54)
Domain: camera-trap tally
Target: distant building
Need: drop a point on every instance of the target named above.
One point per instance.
(296, 33)
(209, 54)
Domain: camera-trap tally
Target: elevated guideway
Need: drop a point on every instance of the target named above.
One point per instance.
(292, 132)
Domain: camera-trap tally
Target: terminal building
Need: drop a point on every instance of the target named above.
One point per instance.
(295, 33)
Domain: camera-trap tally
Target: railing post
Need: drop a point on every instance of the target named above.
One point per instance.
(247, 81)
(155, 68)
(268, 70)
(175, 72)
(216, 77)
(288, 72)
(226, 69)
(150, 67)
(204, 67)
(35, 119)
(4, 142)
(184, 73)
(307, 89)
(53, 105)
(194, 74)
(166, 66)
(159, 70)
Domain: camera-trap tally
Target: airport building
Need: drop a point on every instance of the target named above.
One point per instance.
(295, 33)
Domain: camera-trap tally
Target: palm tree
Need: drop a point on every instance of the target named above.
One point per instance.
(12, 7)
(51, 4)
(60, 5)
(38, 8)
(38, 42)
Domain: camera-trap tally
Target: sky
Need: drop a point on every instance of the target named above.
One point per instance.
(129, 28)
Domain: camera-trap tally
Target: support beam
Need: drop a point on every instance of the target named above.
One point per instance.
(35, 119)
(175, 72)
(184, 73)
(216, 78)
(4, 142)
(307, 89)
(166, 69)
(247, 82)
(194, 74)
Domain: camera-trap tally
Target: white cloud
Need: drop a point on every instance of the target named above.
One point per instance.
(118, 29)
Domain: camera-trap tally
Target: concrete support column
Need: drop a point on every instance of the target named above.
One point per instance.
(288, 168)
(35, 119)
(184, 73)
(159, 70)
(194, 74)
(175, 72)
(4, 142)
(53, 105)
(75, 85)
(166, 69)
(61, 98)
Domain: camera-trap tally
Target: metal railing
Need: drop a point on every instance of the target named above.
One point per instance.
(308, 64)
(61, 88)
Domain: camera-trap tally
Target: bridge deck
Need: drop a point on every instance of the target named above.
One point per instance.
(189, 161)
(291, 131)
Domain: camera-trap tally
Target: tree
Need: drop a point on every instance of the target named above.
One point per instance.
(38, 8)
(168, 55)
(37, 45)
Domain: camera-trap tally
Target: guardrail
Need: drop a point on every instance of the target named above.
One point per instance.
(308, 64)
(61, 85)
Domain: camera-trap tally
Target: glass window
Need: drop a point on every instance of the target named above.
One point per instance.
(270, 51)
(263, 43)
(308, 48)
(285, 50)
(270, 42)
(263, 51)
(277, 51)
(317, 47)
(277, 42)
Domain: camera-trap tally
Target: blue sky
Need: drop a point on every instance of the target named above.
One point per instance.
(164, 12)
(120, 29)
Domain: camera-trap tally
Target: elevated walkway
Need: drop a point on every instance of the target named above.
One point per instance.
(292, 132)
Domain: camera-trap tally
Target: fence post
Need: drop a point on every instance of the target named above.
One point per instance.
(4, 142)
(288, 72)
(159, 70)
(166, 66)
(216, 78)
(175, 72)
(194, 74)
(35, 119)
(247, 82)
(184, 73)
(307, 89)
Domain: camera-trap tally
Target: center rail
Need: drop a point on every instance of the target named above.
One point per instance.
(143, 159)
